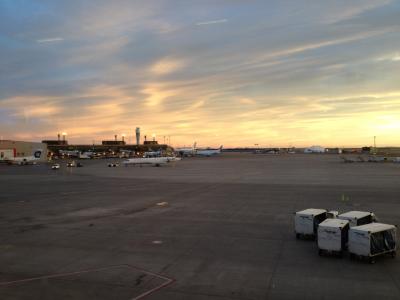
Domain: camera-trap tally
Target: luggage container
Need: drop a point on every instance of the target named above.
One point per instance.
(332, 214)
(357, 218)
(306, 222)
(371, 240)
(333, 236)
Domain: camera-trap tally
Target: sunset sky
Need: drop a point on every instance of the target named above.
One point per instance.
(237, 73)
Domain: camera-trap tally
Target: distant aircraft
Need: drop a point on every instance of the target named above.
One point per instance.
(85, 155)
(70, 153)
(186, 151)
(153, 153)
(314, 149)
(154, 161)
(25, 160)
(208, 152)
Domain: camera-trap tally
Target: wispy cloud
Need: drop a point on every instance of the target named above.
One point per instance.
(50, 40)
(166, 66)
(390, 57)
(211, 22)
(247, 101)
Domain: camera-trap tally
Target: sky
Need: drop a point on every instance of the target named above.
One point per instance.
(238, 73)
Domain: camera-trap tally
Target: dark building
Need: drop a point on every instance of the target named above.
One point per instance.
(366, 150)
(55, 142)
(113, 143)
(58, 141)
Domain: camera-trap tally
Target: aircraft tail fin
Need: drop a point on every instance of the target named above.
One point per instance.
(38, 153)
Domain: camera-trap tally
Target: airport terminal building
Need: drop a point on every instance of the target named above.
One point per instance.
(22, 149)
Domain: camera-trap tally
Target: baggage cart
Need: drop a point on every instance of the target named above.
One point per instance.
(371, 240)
(306, 222)
(333, 236)
(357, 218)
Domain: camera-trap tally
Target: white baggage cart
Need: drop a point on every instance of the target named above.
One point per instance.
(333, 236)
(306, 222)
(371, 240)
(357, 218)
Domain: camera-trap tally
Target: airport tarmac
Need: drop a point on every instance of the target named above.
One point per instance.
(204, 228)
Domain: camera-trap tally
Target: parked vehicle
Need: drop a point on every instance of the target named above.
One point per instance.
(371, 240)
(333, 236)
(307, 221)
(71, 164)
(357, 218)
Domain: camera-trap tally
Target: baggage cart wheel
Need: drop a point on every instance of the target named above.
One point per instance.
(371, 260)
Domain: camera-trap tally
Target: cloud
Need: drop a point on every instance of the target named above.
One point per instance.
(247, 101)
(390, 57)
(166, 66)
(212, 22)
(280, 72)
(339, 14)
(156, 94)
(50, 40)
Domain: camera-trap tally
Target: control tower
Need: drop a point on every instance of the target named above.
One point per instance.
(138, 136)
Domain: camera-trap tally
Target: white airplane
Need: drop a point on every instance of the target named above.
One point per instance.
(85, 155)
(208, 152)
(154, 161)
(73, 153)
(25, 160)
(153, 153)
(186, 151)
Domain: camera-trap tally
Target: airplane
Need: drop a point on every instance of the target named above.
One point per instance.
(85, 155)
(154, 161)
(186, 151)
(25, 160)
(208, 152)
(73, 153)
(153, 153)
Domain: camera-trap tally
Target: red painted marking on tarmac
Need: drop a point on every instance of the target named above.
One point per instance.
(168, 280)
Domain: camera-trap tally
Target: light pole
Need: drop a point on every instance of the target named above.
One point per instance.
(64, 134)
